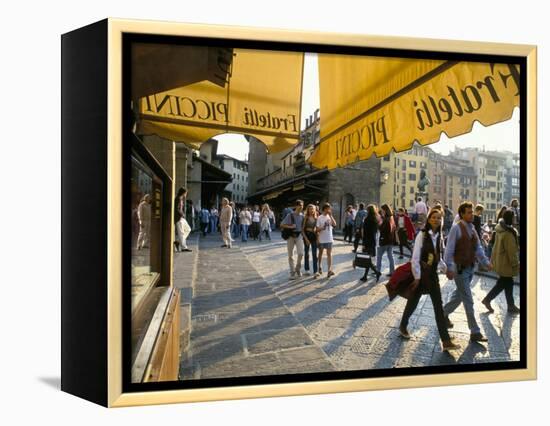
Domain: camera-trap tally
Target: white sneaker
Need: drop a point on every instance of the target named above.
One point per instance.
(307, 273)
(292, 277)
(316, 275)
(298, 273)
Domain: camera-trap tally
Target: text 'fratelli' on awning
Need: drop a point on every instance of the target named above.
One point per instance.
(216, 90)
(371, 105)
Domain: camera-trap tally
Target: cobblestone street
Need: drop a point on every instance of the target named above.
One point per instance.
(248, 319)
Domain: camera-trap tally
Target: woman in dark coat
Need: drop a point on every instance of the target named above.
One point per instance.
(368, 237)
(387, 238)
(425, 260)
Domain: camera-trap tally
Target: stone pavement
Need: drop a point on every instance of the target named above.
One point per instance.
(249, 319)
(239, 325)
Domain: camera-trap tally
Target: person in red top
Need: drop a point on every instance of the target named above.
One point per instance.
(405, 231)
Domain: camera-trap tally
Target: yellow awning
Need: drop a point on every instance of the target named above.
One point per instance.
(373, 105)
(262, 98)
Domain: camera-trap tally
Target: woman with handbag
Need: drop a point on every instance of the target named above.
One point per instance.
(425, 260)
(369, 229)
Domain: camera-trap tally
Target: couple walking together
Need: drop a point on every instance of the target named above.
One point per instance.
(309, 232)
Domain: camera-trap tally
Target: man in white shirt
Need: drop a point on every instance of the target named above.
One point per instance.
(245, 219)
(421, 210)
(214, 215)
(325, 224)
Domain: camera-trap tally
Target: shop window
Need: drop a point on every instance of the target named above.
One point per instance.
(150, 239)
(146, 193)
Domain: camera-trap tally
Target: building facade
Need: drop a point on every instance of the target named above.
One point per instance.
(460, 182)
(512, 181)
(282, 178)
(490, 168)
(239, 171)
(236, 188)
(402, 171)
(466, 174)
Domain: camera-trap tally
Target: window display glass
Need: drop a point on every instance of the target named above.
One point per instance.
(146, 190)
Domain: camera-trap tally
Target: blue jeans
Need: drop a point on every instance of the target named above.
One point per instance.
(313, 246)
(266, 232)
(213, 224)
(204, 228)
(244, 232)
(381, 250)
(463, 294)
(234, 230)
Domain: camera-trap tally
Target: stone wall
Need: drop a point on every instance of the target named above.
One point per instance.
(257, 158)
(358, 183)
(182, 155)
(194, 174)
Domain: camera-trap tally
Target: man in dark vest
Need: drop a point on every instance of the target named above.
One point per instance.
(462, 251)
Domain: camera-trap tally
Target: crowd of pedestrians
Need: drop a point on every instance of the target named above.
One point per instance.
(231, 222)
(441, 242)
(436, 240)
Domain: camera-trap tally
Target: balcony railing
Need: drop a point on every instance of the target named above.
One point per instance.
(299, 168)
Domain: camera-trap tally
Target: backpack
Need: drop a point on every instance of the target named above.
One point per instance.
(286, 233)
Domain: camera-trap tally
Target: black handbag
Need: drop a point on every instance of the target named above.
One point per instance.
(286, 233)
(362, 260)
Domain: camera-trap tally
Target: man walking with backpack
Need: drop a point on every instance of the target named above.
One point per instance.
(292, 225)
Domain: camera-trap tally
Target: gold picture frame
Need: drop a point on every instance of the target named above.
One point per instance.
(111, 383)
